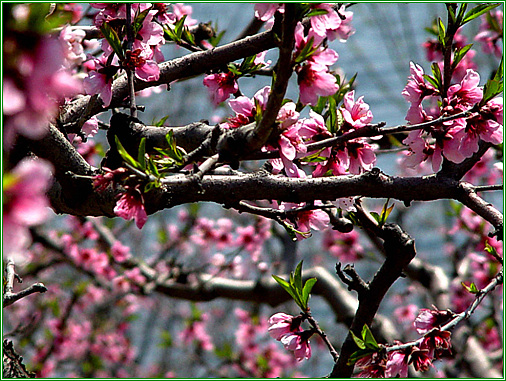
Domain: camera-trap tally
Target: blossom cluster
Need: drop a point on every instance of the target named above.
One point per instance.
(286, 328)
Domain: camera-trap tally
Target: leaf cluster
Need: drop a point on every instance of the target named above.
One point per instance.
(298, 291)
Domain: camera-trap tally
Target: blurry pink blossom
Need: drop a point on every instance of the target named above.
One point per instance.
(25, 202)
(490, 33)
(31, 101)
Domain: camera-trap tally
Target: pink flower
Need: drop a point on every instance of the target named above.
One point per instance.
(25, 202)
(220, 86)
(131, 205)
(264, 11)
(141, 61)
(436, 342)
(372, 366)
(296, 344)
(416, 89)
(357, 114)
(282, 324)
(101, 182)
(420, 359)
(179, 10)
(120, 252)
(195, 332)
(397, 364)
(308, 219)
(361, 155)
(314, 80)
(72, 41)
(289, 144)
(467, 92)
(487, 126)
(44, 85)
(429, 319)
(321, 54)
(490, 33)
(328, 21)
(406, 313)
(345, 30)
(313, 128)
(344, 246)
(99, 80)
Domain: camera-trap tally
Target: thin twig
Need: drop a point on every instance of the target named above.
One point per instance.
(487, 188)
(322, 334)
(10, 296)
(496, 281)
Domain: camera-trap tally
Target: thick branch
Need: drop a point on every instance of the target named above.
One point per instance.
(283, 73)
(469, 198)
(170, 71)
(400, 250)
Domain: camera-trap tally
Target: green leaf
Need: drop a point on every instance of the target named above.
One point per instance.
(322, 101)
(431, 80)
(357, 355)
(385, 212)
(306, 291)
(441, 32)
(141, 156)
(314, 158)
(360, 343)
(286, 286)
(471, 288)
(173, 151)
(461, 13)
(125, 155)
(376, 217)
(459, 54)
(491, 250)
(493, 86)
(138, 21)
(369, 340)
(297, 278)
(332, 118)
(317, 12)
(161, 122)
(112, 38)
(478, 11)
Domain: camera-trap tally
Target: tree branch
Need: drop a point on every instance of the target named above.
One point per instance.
(10, 296)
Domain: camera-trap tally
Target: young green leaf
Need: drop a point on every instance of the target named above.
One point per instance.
(493, 86)
(297, 277)
(459, 54)
(317, 12)
(369, 340)
(287, 287)
(357, 355)
(306, 291)
(478, 11)
(441, 32)
(141, 156)
(471, 288)
(360, 343)
(161, 122)
(138, 21)
(112, 38)
(125, 155)
(385, 212)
